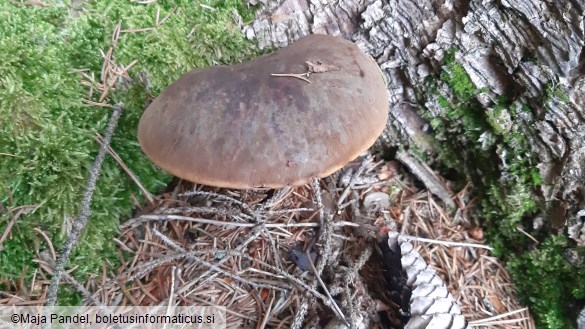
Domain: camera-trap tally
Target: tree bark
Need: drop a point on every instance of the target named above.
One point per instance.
(527, 51)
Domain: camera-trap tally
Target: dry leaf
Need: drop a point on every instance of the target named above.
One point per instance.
(476, 233)
(320, 67)
(264, 294)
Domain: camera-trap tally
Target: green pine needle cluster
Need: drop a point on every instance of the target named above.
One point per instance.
(46, 131)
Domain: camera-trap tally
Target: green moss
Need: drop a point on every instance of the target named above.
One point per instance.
(554, 92)
(490, 147)
(69, 296)
(455, 76)
(46, 131)
(544, 277)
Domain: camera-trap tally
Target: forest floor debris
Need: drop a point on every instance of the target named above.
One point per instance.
(255, 252)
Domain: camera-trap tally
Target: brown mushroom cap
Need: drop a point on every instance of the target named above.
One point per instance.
(240, 127)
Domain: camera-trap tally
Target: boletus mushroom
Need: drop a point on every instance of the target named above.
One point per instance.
(281, 119)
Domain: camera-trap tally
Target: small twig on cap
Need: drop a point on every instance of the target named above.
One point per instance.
(81, 220)
(302, 76)
(313, 67)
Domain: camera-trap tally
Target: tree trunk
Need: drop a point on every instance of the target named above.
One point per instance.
(523, 59)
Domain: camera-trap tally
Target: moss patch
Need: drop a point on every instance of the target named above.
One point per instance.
(46, 131)
(489, 145)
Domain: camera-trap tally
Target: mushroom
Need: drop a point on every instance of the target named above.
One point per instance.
(281, 119)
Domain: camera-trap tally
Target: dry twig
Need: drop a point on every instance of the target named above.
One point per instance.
(81, 220)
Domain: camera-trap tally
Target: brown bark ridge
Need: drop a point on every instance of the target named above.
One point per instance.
(528, 51)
